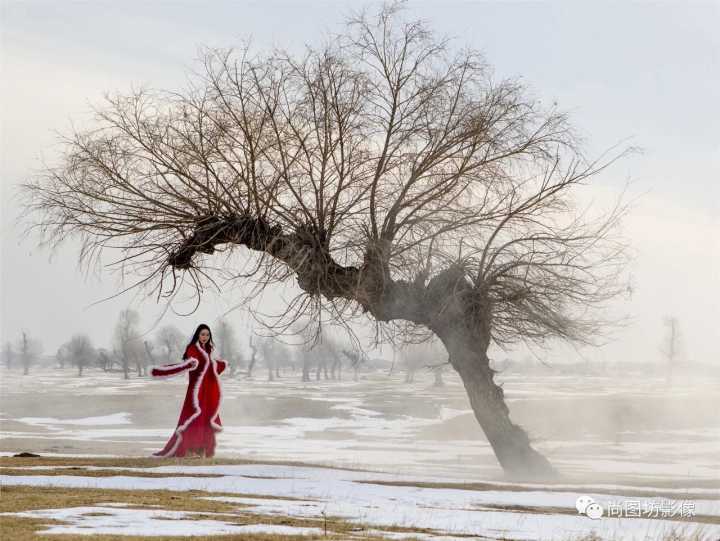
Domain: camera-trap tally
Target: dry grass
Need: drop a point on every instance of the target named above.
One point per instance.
(144, 462)
(638, 492)
(81, 471)
(675, 535)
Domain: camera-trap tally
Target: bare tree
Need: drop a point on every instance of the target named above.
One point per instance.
(128, 342)
(336, 368)
(8, 355)
(61, 356)
(411, 365)
(438, 372)
(306, 360)
(319, 349)
(303, 353)
(426, 355)
(29, 350)
(105, 360)
(671, 347)
(226, 340)
(388, 173)
(80, 352)
(149, 354)
(273, 353)
(357, 358)
(253, 345)
(171, 342)
(326, 352)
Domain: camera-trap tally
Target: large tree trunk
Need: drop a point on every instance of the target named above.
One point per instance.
(510, 442)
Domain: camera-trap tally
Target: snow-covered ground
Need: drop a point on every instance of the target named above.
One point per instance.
(609, 434)
(371, 498)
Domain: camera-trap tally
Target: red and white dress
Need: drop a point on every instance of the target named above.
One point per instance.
(200, 414)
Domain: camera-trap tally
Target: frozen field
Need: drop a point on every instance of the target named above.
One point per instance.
(629, 439)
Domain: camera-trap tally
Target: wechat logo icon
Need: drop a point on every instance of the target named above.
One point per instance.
(587, 506)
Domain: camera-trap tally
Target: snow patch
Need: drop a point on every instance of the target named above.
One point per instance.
(114, 519)
(121, 418)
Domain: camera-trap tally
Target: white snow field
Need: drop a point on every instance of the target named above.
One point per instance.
(617, 438)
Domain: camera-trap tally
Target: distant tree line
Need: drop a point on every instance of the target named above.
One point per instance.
(132, 352)
(317, 357)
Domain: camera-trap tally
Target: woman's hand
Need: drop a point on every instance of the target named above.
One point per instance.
(221, 365)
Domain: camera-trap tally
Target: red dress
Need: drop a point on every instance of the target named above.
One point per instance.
(200, 414)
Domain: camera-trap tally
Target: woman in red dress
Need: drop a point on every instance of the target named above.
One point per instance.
(200, 414)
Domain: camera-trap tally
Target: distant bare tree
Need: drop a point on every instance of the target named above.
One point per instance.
(129, 345)
(105, 361)
(171, 342)
(421, 356)
(303, 353)
(81, 352)
(8, 355)
(306, 361)
(61, 356)
(149, 354)
(319, 350)
(387, 174)
(336, 362)
(328, 354)
(357, 358)
(336, 368)
(29, 350)
(671, 347)
(438, 372)
(410, 369)
(226, 339)
(253, 345)
(274, 354)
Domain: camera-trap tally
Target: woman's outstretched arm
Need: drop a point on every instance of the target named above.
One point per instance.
(169, 370)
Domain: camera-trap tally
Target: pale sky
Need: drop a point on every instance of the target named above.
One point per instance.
(648, 73)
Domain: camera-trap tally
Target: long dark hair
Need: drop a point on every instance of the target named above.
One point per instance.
(196, 337)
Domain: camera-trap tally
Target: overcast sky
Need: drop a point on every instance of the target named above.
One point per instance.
(644, 72)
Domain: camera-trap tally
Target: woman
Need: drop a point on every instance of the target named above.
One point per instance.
(200, 414)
